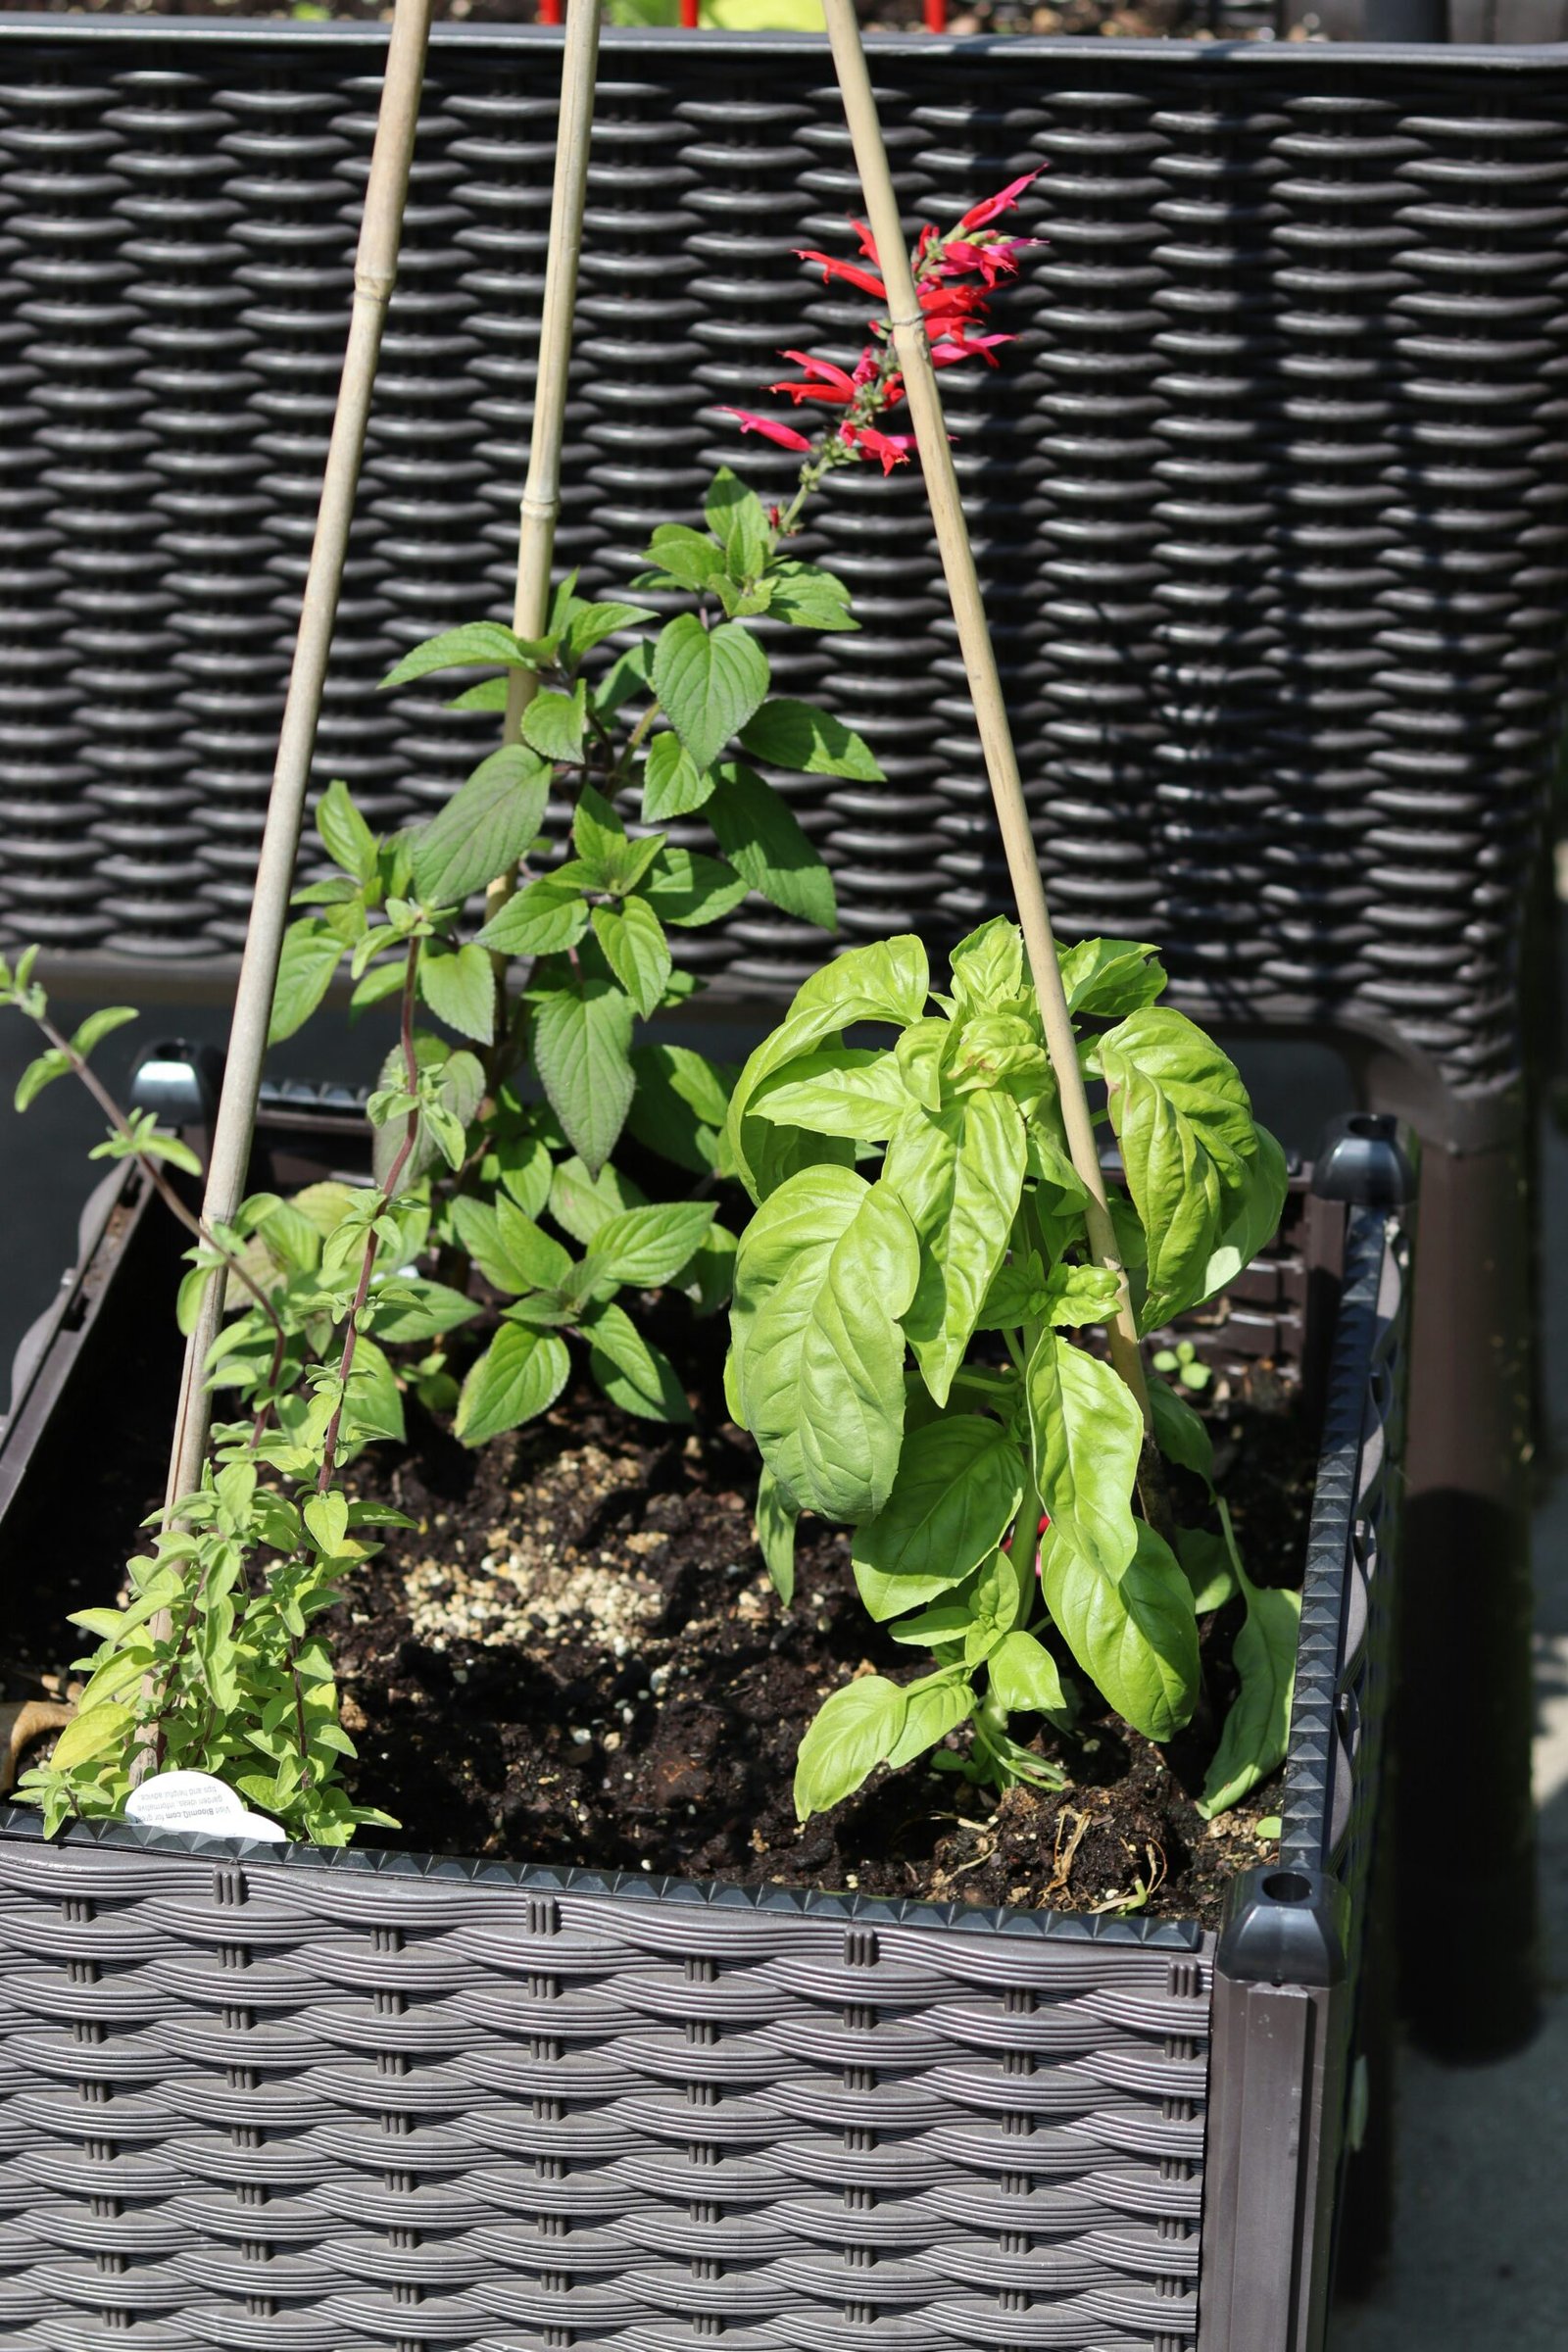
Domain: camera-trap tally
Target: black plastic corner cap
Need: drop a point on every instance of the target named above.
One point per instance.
(178, 1081)
(1368, 1158)
(1284, 1926)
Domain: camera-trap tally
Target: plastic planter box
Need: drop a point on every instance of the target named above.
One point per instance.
(311, 2103)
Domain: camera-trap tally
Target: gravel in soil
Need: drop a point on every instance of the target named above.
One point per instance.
(576, 1656)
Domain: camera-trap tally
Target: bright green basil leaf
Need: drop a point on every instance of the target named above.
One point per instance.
(1109, 977)
(776, 1518)
(1205, 1562)
(460, 987)
(673, 784)
(97, 1732)
(1254, 1225)
(645, 1247)
(544, 920)
(633, 1374)
(345, 836)
(680, 1106)
(1135, 1635)
(763, 839)
(1087, 1435)
(1257, 1729)
(824, 1270)
(476, 642)
(1026, 1678)
(808, 597)
(933, 1707)
(957, 1494)
(888, 981)
(518, 1377)
(687, 889)
(853, 1732)
(553, 725)
(581, 1041)
(988, 969)
(635, 949)
(1016, 1295)
(483, 829)
(999, 1050)
(736, 519)
(1181, 1435)
(960, 1174)
(793, 735)
(1077, 1295)
(852, 1090)
(709, 681)
(1185, 1125)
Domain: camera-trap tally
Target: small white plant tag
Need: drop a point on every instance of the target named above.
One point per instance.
(198, 1801)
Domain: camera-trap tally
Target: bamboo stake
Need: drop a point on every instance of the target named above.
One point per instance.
(979, 660)
(374, 276)
(541, 495)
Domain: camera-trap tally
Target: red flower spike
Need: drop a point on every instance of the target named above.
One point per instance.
(772, 430)
(828, 382)
(979, 347)
(980, 215)
(891, 448)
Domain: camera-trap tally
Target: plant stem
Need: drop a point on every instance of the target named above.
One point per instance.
(351, 1337)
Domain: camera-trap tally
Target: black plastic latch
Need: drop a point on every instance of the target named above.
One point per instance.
(178, 1083)
(1368, 1158)
(1284, 1926)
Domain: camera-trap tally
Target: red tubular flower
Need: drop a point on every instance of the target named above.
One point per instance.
(978, 347)
(828, 382)
(772, 430)
(980, 216)
(832, 268)
(891, 448)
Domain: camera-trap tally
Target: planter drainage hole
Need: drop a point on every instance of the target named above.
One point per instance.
(1369, 1123)
(1288, 1887)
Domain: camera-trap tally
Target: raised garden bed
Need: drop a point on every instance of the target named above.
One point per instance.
(380, 2096)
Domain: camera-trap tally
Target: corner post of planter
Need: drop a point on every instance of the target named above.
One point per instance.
(1276, 2083)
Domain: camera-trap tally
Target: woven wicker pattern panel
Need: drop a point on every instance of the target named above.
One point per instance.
(317, 2109)
(1270, 492)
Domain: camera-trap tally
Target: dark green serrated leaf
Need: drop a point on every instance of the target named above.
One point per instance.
(581, 1042)
(545, 919)
(673, 784)
(764, 841)
(636, 951)
(484, 829)
(709, 682)
(795, 735)
(310, 957)
(460, 987)
(518, 1377)
(476, 642)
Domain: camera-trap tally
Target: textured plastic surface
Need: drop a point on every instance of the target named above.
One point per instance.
(1270, 495)
(371, 2099)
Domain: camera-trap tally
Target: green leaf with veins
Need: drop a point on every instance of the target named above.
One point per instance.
(460, 987)
(476, 642)
(1181, 1435)
(1133, 1634)
(1255, 1221)
(635, 949)
(932, 1706)
(673, 784)
(310, 957)
(959, 1173)
(1086, 1433)
(680, 1106)
(955, 1498)
(763, 839)
(632, 1372)
(591, 624)
(853, 1732)
(610, 857)
(709, 682)
(582, 1203)
(686, 889)
(887, 981)
(581, 1042)
(736, 519)
(809, 598)
(1205, 1562)
(459, 1091)
(824, 1270)
(776, 1520)
(1076, 1294)
(685, 559)
(482, 831)
(1258, 1729)
(546, 919)
(793, 735)
(518, 1377)
(853, 1090)
(1026, 1678)
(1110, 977)
(345, 836)
(1185, 1125)
(988, 968)
(554, 724)
(648, 1246)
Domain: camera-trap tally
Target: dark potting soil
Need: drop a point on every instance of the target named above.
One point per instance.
(576, 1656)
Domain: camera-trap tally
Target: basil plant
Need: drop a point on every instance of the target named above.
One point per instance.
(911, 1299)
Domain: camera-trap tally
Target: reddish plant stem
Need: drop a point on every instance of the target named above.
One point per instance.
(411, 1070)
